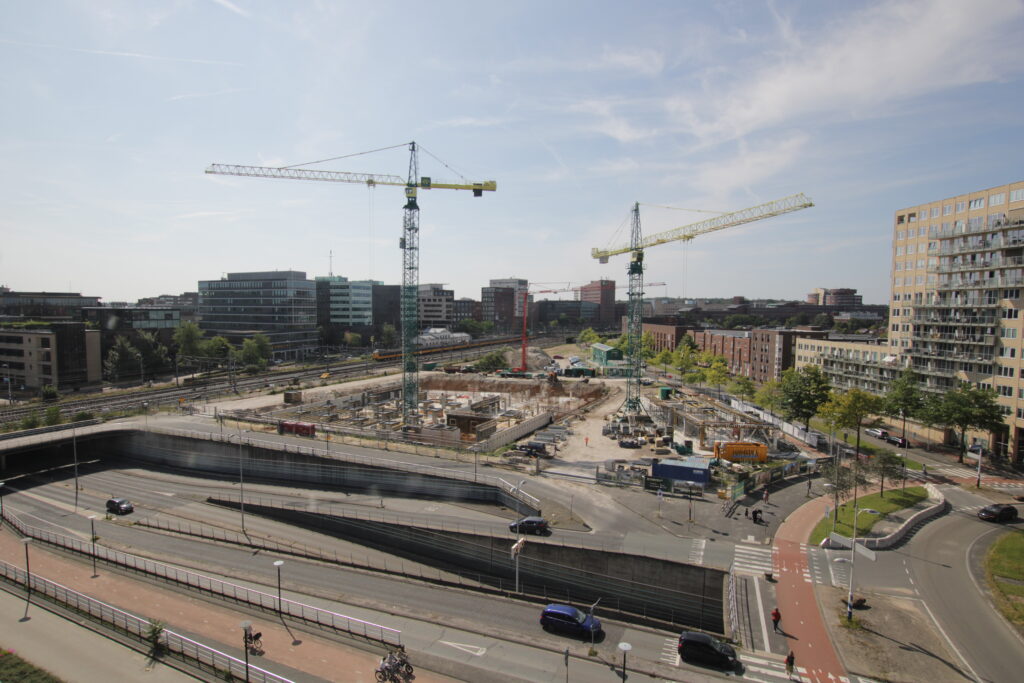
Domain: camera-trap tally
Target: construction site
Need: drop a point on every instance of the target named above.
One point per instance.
(453, 410)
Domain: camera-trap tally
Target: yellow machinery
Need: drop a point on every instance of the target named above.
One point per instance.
(741, 451)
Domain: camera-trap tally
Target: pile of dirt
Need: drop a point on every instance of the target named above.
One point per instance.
(536, 359)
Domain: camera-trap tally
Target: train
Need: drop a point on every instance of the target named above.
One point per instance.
(439, 340)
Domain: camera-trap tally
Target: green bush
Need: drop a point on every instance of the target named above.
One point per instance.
(82, 416)
(53, 416)
(30, 421)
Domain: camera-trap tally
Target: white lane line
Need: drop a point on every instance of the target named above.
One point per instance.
(760, 612)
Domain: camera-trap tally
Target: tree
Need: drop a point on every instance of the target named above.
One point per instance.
(52, 416)
(850, 410)
(647, 345)
(717, 374)
(686, 342)
(122, 359)
(770, 396)
(154, 354)
(664, 359)
(249, 355)
(795, 320)
(904, 398)
(262, 342)
(803, 392)
(187, 338)
(389, 336)
(822, 320)
(353, 339)
(886, 465)
(588, 337)
(967, 407)
(841, 480)
(495, 360)
(217, 347)
(743, 387)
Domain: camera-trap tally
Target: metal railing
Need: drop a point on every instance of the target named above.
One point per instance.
(322, 618)
(165, 641)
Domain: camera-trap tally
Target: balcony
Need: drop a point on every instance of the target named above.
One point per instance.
(983, 320)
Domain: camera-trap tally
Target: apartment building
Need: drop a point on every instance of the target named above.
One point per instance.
(954, 311)
(65, 355)
(773, 350)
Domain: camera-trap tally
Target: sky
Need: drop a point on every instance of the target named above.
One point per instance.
(111, 110)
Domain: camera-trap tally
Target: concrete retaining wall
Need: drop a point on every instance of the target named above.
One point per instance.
(919, 516)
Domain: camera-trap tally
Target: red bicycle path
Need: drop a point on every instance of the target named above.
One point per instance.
(802, 622)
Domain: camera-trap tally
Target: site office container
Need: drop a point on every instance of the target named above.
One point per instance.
(297, 428)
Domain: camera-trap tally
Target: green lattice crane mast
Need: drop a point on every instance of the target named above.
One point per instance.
(635, 270)
(410, 245)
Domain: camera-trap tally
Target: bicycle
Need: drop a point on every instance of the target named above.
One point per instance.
(253, 640)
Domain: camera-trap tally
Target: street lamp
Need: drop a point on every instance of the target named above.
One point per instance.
(246, 627)
(241, 481)
(28, 571)
(2, 484)
(519, 490)
(278, 563)
(625, 647)
(74, 449)
(92, 537)
(145, 408)
(853, 549)
(10, 401)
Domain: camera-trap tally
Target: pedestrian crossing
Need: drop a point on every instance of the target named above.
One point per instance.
(696, 554)
(758, 669)
(752, 559)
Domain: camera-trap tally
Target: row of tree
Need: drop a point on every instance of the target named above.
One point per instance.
(146, 355)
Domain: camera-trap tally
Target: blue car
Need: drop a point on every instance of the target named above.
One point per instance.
(568, 619)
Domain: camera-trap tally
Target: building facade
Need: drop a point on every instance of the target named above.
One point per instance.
(733, 345)
(773, 351)
(498, 306)
(576, 313)
(435, 304)
(520, 287)
(842, 298)
(44, 305)
(65, 355)
(602, 293)
(280, 304)
(466, 309)
(161, 321)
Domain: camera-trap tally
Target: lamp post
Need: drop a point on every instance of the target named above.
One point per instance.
(246, 626)
(74, 449)
(278, 563)
(7, 366)
(625, 647)
(241, 480)
(519, 490)
(28, 571)
(145, 409)
(92, 537)
(2, 484)
(853, 552)
(835, 504)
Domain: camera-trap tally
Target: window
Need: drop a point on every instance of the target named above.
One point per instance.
(899, 251)
(1011, 293)
(996, 199)
(1008, 333)
(1008, 352)
(923, 231)
(898, 282)
(911, 217)
(899, 266)
(1017, 195)
(900, 220)
(977, 203)
(900, 235)
(1010, 313)
(920, 280)
(1005, 391)
(1006, 372)
(960, 206)
(947, 209)
(910, 249)
(935, 212)
(920, 263)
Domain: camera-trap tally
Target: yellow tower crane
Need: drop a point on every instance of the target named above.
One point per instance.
(409, 244)
(635, 270)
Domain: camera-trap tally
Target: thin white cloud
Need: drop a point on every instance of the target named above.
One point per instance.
(751, 165)
(889, 53)
(607, 121)
(111, 53)
(226, 4)
(645, 61)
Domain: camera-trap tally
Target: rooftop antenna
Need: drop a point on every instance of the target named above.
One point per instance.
(330, 263)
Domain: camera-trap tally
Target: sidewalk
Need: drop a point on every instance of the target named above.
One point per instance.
(288, 652)
(802, 621)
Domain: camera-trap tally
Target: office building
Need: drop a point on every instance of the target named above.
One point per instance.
(280, 304)
(843, 298)
(520, 288)
(602, 293)
(435, 304)
(44, 305)
(498, 306)
(64, 355)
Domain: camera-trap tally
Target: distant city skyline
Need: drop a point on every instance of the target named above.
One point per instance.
(577, 111)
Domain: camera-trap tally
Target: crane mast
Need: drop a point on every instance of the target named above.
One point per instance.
(637, 243)
(410, 245)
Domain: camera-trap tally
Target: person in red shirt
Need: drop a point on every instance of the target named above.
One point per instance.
(776, 618)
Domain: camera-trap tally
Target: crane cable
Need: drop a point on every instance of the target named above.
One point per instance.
(346, 156)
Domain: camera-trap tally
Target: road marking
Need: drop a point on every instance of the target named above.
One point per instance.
(760, 612)
(474, 650)
(949, 641)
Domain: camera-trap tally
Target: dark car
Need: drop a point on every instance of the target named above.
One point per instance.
(530, 525)
(568, 619)
(629, 443)
(700, 648)
(898, 441)
(120, 506)
(998, 512)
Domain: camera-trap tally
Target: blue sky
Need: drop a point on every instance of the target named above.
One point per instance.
(113, 109)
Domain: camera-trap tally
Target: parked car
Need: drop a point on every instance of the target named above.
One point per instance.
(530, 525)
(976, 448)
(898, 441)
(700, 648)
(120, 506)
(877, 433)
(998, 512)
(568, 619)
(629, 443)
(557, 357)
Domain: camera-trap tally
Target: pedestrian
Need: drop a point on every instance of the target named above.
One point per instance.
(586, 441)
(790, 661)
(776, 618)
(766, 495)
(808, 488)
(924, 470)
(746, 512)
(756, 516)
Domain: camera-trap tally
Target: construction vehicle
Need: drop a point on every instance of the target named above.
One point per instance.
(635, 270)
(741, 451)
(409, 242)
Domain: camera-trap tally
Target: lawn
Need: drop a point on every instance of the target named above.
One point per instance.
(14, 668)
(1005, 569)
(895, 499)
